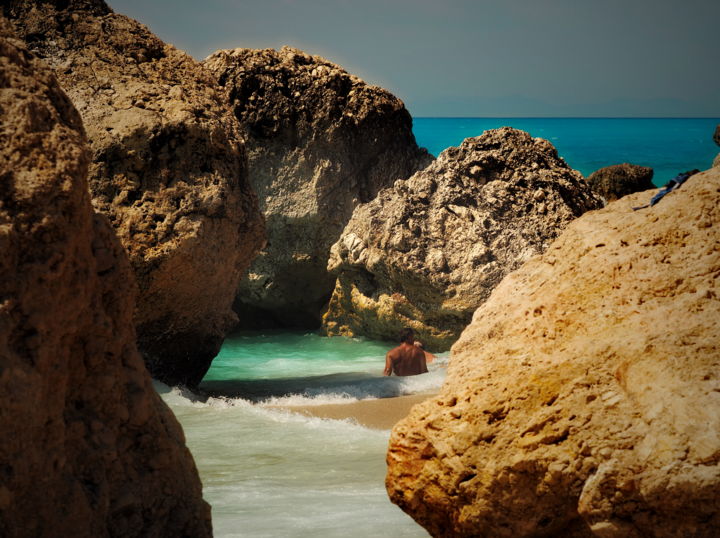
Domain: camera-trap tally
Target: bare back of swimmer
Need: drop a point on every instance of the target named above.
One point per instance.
(405, 359)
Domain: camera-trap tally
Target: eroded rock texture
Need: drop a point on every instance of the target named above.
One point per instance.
(87, 448)
(168, 169)
(584, 398)
(320, 141)
(428, 251)
(613, 182)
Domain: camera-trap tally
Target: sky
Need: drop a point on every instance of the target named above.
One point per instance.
(481, 58)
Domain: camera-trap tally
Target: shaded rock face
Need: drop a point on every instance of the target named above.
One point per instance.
(87, 448)
(168, 169)
(614, 182)
(320, 141)
(428, 251)
(716, 137)
(583, 398)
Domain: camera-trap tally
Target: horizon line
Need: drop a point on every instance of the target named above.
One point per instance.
(571, 117)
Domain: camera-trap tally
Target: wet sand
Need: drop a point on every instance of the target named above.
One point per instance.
(380, 414)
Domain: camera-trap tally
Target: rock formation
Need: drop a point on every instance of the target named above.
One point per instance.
(716, 137)
(319, 142)
(429, 250)
(168, 170)
(584, 398)
(613, 182)
(87, 448)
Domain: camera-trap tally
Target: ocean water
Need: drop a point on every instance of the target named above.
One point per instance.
(668, 145)
(271, 473)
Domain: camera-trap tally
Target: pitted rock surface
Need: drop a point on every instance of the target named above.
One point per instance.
(168, 169)
(320, 141)
(584, 398)
(87, 448)
(429, 250)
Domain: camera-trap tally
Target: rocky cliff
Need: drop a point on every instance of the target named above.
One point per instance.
(320, 141)
(168, 169)
(613, 182)
(87, 448)
(584, 398)
(428, 251)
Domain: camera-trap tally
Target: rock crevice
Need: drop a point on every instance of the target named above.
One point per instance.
(320, 141)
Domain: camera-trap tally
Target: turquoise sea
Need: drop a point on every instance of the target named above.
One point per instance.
(668, 145)
(271, 473)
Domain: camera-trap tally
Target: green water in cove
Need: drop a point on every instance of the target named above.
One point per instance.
(272, 473)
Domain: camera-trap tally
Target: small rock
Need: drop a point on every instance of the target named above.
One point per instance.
(613, 182)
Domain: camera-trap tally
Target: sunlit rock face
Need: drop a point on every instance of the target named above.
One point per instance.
(584, 398)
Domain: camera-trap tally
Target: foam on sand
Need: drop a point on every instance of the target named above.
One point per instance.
(380, 413)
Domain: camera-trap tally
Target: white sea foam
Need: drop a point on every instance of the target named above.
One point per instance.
(369, 389)
(269, 472)
(320, 394)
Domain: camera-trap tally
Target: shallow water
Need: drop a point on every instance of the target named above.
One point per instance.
(270, 473)
(668, 145)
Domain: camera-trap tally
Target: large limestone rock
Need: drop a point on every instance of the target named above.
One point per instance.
(614, 182)
(87, 448)
(585, 396)
(428, 251)
(168, 170)
(320, 141)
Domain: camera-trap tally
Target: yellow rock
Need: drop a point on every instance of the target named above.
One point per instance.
(591, 377)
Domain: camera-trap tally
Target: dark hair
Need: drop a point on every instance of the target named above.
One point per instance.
(407, 335)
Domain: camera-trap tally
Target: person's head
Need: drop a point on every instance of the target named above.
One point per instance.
(407, 336)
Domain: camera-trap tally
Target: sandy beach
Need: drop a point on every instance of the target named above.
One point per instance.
(381, 413)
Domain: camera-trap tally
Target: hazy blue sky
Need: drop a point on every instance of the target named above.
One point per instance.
(482, 57)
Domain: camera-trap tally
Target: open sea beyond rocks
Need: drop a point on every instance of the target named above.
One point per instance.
(271, 473)
(668, 145)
